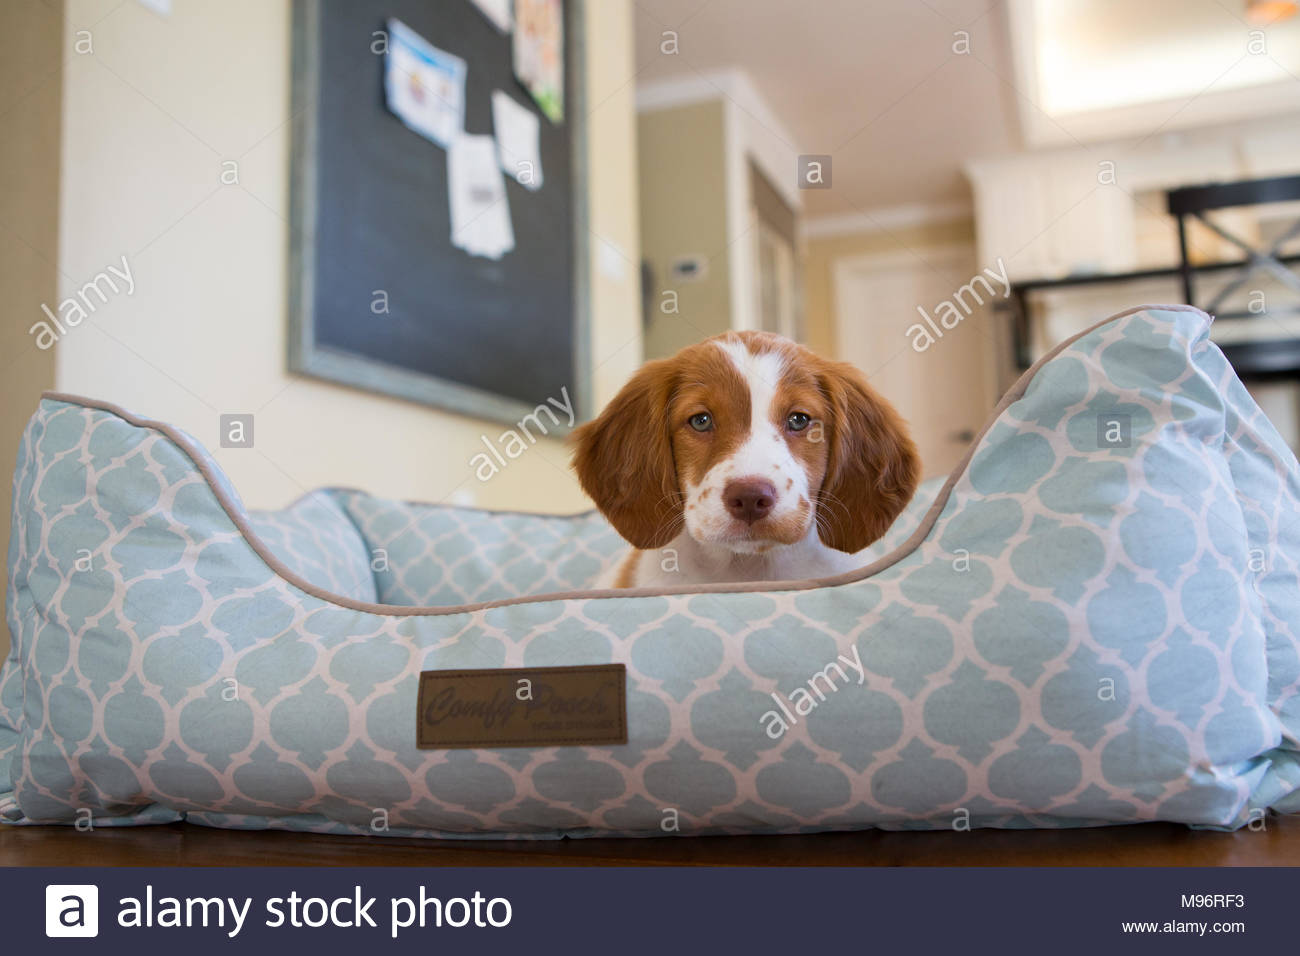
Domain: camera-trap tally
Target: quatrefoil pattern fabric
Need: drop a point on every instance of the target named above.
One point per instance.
(429, 555)
(1101, 625)
(315, 538)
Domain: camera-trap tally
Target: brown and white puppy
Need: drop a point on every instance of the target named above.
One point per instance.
(745, 457)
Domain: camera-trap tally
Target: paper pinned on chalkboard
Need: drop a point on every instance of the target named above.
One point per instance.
(480, 212)
(516, 128)
(538, 53)
(424, 87)
(498, 12)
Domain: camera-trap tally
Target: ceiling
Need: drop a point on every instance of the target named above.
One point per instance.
(878, 85)
(874, 84)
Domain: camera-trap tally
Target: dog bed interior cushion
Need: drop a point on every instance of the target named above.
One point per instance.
(316, 539)
(427, 555)
(1096, 621)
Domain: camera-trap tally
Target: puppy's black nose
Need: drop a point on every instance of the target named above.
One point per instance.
(749, 499)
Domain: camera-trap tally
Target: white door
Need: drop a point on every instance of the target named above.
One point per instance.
(944, 390)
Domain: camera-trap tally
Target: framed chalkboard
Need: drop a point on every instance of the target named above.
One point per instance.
(380, 296)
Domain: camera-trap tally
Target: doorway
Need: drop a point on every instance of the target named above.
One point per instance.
(945, 391)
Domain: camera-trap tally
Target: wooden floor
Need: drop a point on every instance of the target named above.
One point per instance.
(183, 844)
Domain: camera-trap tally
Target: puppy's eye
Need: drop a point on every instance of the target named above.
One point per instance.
(701, 422)
(798, 421)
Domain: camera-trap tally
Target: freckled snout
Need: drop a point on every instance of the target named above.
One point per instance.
(749, 499)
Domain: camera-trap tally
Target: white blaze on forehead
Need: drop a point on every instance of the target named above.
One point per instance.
(762, 373)
(764, 452)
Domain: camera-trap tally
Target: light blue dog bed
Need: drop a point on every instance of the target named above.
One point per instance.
(1097, 620)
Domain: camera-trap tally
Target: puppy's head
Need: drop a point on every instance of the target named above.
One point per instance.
(748, 440)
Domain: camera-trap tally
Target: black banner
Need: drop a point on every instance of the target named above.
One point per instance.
(663, 911)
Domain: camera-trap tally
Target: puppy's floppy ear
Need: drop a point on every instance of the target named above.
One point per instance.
(624, 460)
(872, 468)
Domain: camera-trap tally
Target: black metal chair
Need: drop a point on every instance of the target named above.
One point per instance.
(1256, 358)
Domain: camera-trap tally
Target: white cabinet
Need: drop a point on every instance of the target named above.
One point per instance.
(1054, 213)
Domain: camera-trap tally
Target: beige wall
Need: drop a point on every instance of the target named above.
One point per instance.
(683, 213)
(31, 37)
(149, 118)
(821, 254)
(615, 217)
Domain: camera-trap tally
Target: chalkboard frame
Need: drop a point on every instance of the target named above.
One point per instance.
(307, 357)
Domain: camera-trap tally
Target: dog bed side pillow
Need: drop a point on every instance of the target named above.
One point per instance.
(317, 540)
(429, 555)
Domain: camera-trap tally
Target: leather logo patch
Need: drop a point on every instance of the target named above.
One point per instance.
(522, 707)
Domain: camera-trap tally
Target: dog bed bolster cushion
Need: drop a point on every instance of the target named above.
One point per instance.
(1097, 621)
(317, 540)
(426, 555)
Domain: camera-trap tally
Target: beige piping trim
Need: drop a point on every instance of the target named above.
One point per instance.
(240, 519)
